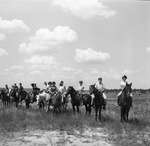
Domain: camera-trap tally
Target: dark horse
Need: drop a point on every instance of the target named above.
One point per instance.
(15, 97)
(56, 102)
(5, 97)
(98, 102)
(125, 102)
(77, 99)
(27, 97)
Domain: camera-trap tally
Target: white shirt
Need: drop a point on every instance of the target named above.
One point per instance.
(62, 89)
(122, 85)
(81, 87)
(99, 86)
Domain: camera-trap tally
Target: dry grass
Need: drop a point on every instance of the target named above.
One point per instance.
(134, 133)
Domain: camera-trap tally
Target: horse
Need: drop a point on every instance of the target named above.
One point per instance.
(65, 101)
(125, 102)
(98, 102)
(56, 102)
(26, 96)
(77, 99)
(43, 100)
(5, 97)
(14, 96)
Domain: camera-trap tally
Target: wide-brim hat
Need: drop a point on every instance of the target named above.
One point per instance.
(49, 82)
(32, 84)
(54, 82)
(99, 78)
(80, 81)
(124, 77)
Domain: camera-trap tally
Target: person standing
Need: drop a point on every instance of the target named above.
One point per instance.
(62, 89)
(81, 92)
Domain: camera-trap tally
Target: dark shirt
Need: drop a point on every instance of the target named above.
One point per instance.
(16, 88)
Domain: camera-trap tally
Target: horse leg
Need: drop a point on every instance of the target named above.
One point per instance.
(121, 110)
(59, 108)
(128, 114)
(78, 109)
(90, 109)
(54, 109)
(27, 104)
(99, 117)
(47, 106)
(73, 107)
(96, 110)
(86, 108)
(16, 104)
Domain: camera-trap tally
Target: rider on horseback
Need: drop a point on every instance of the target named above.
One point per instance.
(54, 89)
(15, 87)
(81, 87)
(21, 89)
(100, 86)
(122, 86)
(7, 90)
(35, 91)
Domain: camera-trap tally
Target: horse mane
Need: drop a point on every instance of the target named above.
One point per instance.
(71, 87)
(129, 86)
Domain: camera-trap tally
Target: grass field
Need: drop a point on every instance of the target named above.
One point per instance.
(134, 133)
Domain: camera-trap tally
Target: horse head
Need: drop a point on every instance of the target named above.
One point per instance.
(92, 89)
(127, 90)
(70, 90)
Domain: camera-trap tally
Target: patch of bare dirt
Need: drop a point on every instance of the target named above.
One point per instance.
(89, 137)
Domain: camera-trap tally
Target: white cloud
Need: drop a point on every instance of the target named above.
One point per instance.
(36, 72)
(2, 37)
(89, 55)
(112, 74)
(67, 68)
(15, 67)
(148, 50)
(117, 75)
(18, 75)
(44, 39)
(46, 60)
(82, 74)
(3, 52)
(13, 25)
(85, 9)
(128, 72)
(94, 71)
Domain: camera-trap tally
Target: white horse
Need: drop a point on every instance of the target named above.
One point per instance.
(43, 99)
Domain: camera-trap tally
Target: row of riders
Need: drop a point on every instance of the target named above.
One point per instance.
(95, 98)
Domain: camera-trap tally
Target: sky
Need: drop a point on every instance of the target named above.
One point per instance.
(73, 40)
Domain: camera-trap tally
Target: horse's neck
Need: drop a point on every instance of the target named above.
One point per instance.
(73, 94)
(126, 93)
(97, 93)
